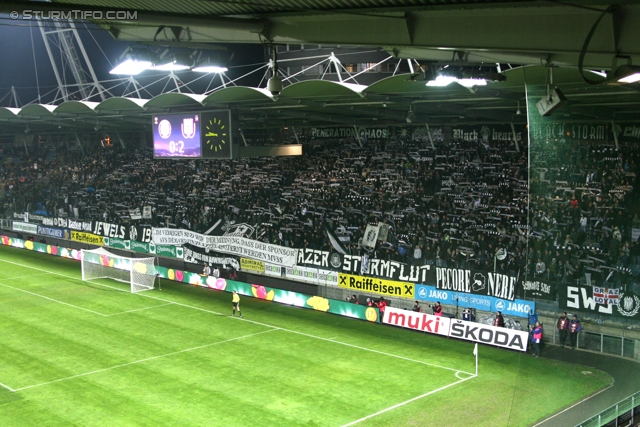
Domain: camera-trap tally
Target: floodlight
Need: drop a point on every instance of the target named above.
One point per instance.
(133, 62)
(472, 82)
(441, 81)
(174, 62)
(627, 74)
(209, 66)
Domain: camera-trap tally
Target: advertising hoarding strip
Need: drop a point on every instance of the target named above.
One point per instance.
(517, 307)
(470, 331)
(452, 328)
(376, 286)
(247, 264)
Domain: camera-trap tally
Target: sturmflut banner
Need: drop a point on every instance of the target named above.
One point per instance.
(240, 246)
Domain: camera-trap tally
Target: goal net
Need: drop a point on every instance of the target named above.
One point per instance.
(100, 263)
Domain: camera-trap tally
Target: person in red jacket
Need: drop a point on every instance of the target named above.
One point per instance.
(563, 328)
(437, 309)
(382, 304)
(499, 320)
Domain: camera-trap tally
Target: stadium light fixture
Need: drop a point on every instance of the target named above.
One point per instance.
(471, 82)
(209, 66)
(441, 81)
(627, 74)
(174, 62)
(133, 63)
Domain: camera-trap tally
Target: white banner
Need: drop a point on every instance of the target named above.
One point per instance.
(417, 321)
(370, 236)
(240, 246)
(487, 334)
(24, 227)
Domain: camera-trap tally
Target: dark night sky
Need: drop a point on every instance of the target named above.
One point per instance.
(18, 68)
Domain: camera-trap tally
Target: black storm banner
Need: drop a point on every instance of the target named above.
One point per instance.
(539, 289)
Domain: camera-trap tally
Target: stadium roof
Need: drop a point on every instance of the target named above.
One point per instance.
(538, 34)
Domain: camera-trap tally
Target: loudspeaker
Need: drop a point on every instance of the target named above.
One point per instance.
(550, 103)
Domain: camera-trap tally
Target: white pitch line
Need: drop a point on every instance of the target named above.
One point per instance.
(254, 322)
(572, 406)
(24, 277)
(407, 401)
(138, 309)
(144, 360)
(54, 300)
(8, 388)
(360, 348)
(113, 287)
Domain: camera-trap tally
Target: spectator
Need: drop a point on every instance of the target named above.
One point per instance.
(416, 307)
(563, 328)
(536, 338)
(574, 329)
(498, 320)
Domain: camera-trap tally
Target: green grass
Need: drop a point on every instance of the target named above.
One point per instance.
(88, 354)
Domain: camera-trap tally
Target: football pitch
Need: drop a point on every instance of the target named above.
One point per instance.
(76, 353)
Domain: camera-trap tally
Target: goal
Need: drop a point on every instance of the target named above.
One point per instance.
(100, 263)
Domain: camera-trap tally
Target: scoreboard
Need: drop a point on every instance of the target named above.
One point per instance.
(192, 135)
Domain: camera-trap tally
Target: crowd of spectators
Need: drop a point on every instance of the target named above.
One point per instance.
(453, 204)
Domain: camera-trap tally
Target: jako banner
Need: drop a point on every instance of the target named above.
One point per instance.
(519, 308)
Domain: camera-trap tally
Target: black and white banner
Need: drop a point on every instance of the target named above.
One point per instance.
(581, 298)
(539, 289)
(199, 258)
(77, 225)
(476, 282)
(240, 246)
(487, 334)
(496, 285)
(126, 232)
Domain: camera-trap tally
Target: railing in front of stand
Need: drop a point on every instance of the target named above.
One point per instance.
(624, 413)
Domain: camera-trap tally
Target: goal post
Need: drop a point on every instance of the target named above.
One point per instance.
(99, 263)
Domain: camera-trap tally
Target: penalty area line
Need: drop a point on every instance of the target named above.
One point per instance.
(7, 387)
(390, 408)
(143, 360)
(54, 300)
(139, 309)
(113, 287)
